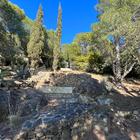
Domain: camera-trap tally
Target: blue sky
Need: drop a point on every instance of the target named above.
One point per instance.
(78, 15)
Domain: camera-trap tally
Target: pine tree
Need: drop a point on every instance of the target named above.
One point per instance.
(36, 43)
(57, 41)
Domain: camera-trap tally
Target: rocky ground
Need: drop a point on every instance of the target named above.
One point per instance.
(103, 112)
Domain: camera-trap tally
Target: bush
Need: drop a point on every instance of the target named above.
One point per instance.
(95, 62)
(81, 62)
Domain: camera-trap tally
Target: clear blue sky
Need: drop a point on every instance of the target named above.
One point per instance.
(78, 15)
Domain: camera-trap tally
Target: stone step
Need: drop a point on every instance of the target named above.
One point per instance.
(62, 95)
(70, 100)
(55, 89)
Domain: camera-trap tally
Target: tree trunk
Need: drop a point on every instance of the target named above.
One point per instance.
(117, 65)
(120, 73)
(127, 70)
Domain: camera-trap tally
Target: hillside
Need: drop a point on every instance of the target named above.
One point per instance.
(88, 89)
(119, 106)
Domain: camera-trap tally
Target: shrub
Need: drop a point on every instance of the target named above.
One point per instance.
(81, 62)
(95, 62)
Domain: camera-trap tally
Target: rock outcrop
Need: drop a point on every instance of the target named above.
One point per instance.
(66, 121)
(18, 105)
(63, 106)
(83, 82)
(3, 105)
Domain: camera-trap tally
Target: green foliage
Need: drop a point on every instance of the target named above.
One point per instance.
(36, 45)
(59, 24)
(57, 42)
(115, 21)
(13, 32)
(84, 40)
(6, 46)
(95, 62)
(70, 51)
(13, 16)
(50, 42)
(93, 51)
(81, 62)
(56, 55)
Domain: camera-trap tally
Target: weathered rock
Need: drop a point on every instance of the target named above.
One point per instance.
(124, 113)
(7, 83)
(59, 123)
(16, 106)
(28, 101)
(3, 105)
(61, 94)
(103, 100)
(20, 102)
(117, 137)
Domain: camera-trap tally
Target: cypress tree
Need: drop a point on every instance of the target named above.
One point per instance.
(59, 24)
(57, 41)
(36, 43)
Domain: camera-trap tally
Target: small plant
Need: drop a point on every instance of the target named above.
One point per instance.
(14, 120)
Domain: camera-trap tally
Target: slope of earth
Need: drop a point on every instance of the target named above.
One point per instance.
(105, 113)
(125, 102)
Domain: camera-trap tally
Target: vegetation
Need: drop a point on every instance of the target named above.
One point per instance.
(113, 44)
(112, 47)
(117, 27)
(36, 45)
(43, 81)
(57, 43)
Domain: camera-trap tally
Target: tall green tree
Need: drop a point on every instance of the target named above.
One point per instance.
(84, 40)
(7, 44)
(36, 45)
(59, 24)
(57, 43)
(56, 54)
(70, 52)
(116, 26)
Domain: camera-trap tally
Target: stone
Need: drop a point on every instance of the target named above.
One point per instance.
(138, 135)
(102, 100)
(59, 122)
(21, 136)
(3, 105)
(136, 112)
(55, 89)
(108, 85)
(30, 101)
(82, 82)
(124, 113)
(28, 125)
(116, 136)
(39, 135)
(14, 120)
(99, 133)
